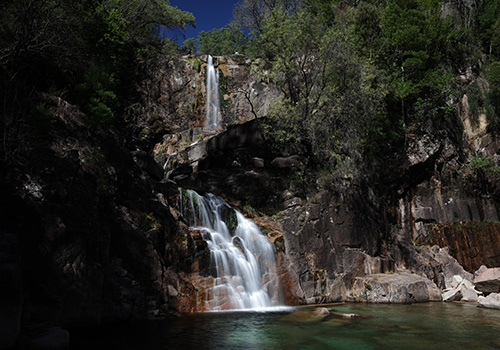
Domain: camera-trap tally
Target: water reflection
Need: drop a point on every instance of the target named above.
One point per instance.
(417, 326)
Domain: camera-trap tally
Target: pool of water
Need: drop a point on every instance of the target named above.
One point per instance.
(417, 326)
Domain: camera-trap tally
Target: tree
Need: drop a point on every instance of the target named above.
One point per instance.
(189, 46)
(250, 14)
(489, 27)
(329, 94)
(416, 56)
(223, 41)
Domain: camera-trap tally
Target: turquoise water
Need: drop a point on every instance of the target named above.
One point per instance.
(417, 326)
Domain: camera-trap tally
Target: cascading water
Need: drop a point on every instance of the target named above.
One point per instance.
(242, 260)
(212, 113)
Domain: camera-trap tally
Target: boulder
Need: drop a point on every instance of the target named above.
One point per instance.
(481, 269)
(321, 312)
(469, 293)
(291, 162)
(456, 280)
(396, 288)
(462, 290)
(452, 295)
(492, 301)
(488, 280)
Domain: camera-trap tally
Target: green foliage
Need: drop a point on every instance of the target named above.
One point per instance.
(489, 27)
(492, 100)
(189, 46)
(474, 98)
(357, 77)
(77, 37)
(493, 73)
(149, 222)
(330, 93)
(251, 212)
(484, 164)
(97, 97)
(487, 101)
(223, 41)
(250, 14)
(417, 48)
(492, 108)
(367, 28)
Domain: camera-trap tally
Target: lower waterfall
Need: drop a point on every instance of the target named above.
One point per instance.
(242, 259)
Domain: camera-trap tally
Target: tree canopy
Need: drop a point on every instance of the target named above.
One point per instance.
(357, 76)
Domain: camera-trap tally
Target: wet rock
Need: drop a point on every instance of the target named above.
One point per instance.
(321, 312)
(488, 280)
(491, 301)
(345, 315)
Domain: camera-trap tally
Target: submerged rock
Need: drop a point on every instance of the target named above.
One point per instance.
(321, 312)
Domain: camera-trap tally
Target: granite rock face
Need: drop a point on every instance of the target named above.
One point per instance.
(432, 198)
(487, 280)
(449, 200)
(243, 94)
(324, 247)
(395, 288)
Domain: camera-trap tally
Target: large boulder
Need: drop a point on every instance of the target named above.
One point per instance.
(492, 301)
(461, 290)
(488, 280)
(396, 288)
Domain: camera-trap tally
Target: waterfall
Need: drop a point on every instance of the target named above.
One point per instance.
(242, 260)
(212, 113)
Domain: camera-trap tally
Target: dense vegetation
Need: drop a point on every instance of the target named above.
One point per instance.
(91, 53)
(357, 76)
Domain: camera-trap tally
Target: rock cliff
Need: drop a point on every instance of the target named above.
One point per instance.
(90, 229)
(435, 194)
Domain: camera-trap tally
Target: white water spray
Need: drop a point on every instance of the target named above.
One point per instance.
(213, 104)
(241, 257)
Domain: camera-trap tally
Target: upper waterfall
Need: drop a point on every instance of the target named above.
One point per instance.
(213, 103)
(242, 259)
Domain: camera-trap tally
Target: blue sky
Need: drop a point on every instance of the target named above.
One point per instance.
(208, 14)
